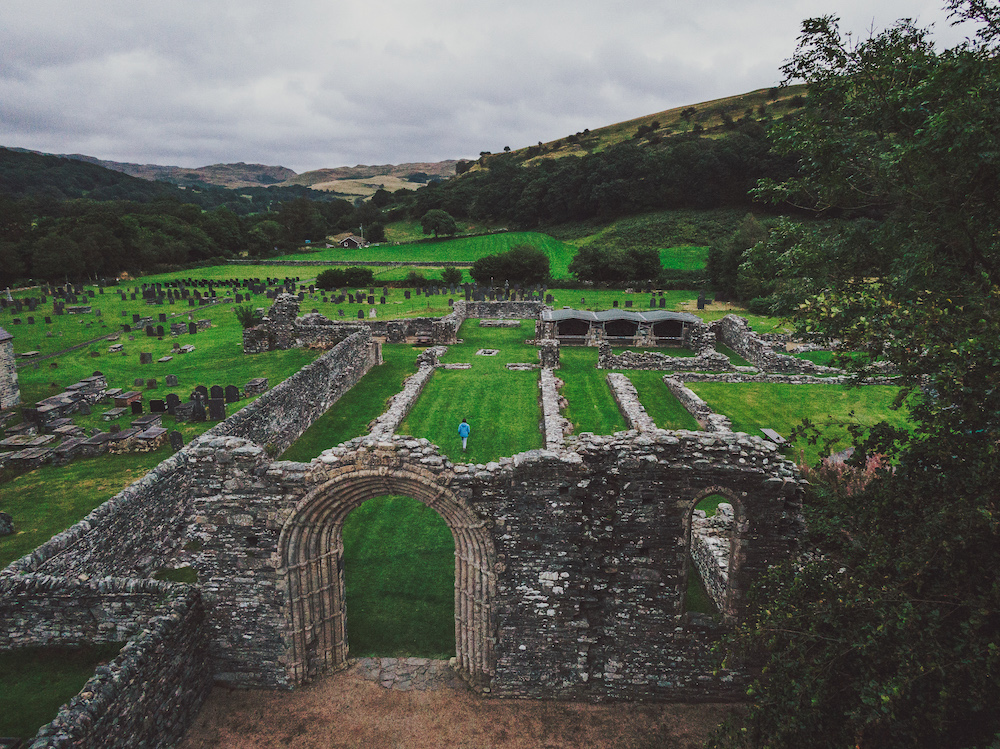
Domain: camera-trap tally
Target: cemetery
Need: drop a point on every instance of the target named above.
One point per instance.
(528, 515)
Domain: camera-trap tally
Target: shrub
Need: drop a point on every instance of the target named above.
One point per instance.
(523, 264)
(451, 276)
(334, 278)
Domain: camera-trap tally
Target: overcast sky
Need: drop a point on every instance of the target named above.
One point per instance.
(323, 83)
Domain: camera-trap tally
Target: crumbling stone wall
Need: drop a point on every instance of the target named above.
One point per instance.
(710, 549)
(627, 398)
(735, 332)
(708, 360)
(152, 691)
(581, 557)
(10, 392)
(702, 412)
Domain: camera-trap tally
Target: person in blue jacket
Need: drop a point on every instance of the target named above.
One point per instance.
(463, 432)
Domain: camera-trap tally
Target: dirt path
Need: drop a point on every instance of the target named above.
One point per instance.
(349, 710)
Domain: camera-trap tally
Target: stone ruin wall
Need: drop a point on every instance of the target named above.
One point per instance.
(708, 360)
(152, 691)
(590, 544)
(10, 392)
(736, 333)
(710, 550)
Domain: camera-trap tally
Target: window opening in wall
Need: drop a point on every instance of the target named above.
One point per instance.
(399, 580)
(712, 526)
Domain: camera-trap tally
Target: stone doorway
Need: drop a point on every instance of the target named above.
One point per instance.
(312, 566)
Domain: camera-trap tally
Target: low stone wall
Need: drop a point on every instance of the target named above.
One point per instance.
(132, 533)
(708, 359)
(702, 412)
(711, 539)
(780, 379)
(401, 403)
(627, 399)
(548, 354)
(499, 310)
(10, 392)
(152, 691)
(735, 332)
(554, 425)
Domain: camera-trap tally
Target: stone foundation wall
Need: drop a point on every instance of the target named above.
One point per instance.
(735, 332)
(152, 691)
(555, 426)
(780, 379)
(10, 393)
(710, 549)
(702, 412)
(499, 310)
(709, 360)
(627, 399)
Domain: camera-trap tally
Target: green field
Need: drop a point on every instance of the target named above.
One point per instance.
(399, 579)
(752, 406)
(38, 681)
(501, 406)
(591, 406)
(459, 249)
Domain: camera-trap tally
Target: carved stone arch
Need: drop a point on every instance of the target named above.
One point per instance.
(311, 552)
(734, 596)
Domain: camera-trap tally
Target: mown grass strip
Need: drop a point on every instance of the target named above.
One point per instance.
(399, 569)
(349, 417)
(501, 406)
(661, 405)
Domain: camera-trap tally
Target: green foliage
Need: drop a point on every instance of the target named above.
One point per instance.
(888, 633)
(523, 264)
(247, 315)
(615, 266)
(336, 278)
(451, 276)
(437, 221)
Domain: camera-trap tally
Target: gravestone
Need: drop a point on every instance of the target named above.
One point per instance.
(136, 318)
(173, 400)
(159, 331)
(136, 408)
(216, 392)
(371, 300)
(151, 383)
(202, 392)
(48, 320)
(157, 406)
(171, 381)
(176, 440)
(652, 302)
(150, 331)
(361, 314)
(138, 382)
(628, 302)
(615, 303)
(191, 302)
(163, 317)
(198, 411)
(182, 411)
(145, 358)
(406, 294)
(380, 301)
(192, 328)
(663, 303)
(84, 408)
(549, 299)
(216, 409)
(701, 301)
(232, 393)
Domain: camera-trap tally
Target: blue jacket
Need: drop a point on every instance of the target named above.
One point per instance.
(463, 429)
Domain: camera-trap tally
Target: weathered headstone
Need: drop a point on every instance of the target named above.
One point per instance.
(198, 411)
(406, 294)
(151, 383)
(145, 358)
(157, 406)
(159, 331)
(216, 409)
(173, 400)
(163, 317)
(171, 381)
(176, 440)
(192, 328)
(232, 393)
(136, 408)
(202, 392)
(138, 382)
(216, 391)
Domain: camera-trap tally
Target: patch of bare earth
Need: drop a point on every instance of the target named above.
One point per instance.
(345, 710)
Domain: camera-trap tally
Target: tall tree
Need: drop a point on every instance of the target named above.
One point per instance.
(888, 634)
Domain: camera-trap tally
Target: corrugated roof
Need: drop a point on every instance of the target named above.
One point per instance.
(5, 336)
(608, 315)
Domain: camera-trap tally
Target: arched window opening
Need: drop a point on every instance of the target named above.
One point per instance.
(710, 553)
(399, 580)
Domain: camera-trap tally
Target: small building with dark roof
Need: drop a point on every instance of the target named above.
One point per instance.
(620, 327)
(10, 391)
(353, 242)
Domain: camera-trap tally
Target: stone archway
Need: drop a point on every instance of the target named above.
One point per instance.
(311, 551)
(730, 606)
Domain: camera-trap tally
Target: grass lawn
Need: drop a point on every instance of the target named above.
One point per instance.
(459, 249)
(501, 406)
(735, 359)
(38, 681)
(751, 406)
(591, 406)
(684, 257)
(349, 417)
(399, 575)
